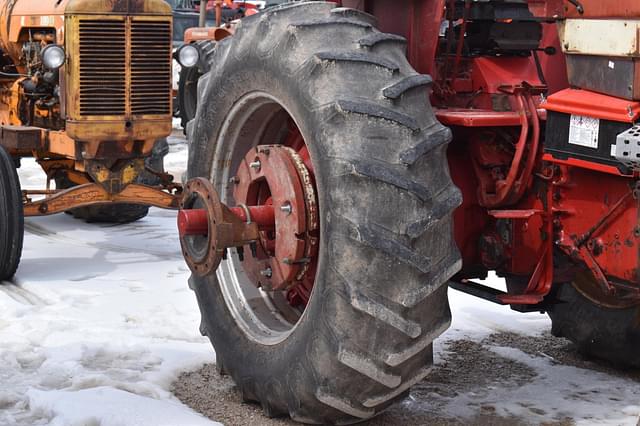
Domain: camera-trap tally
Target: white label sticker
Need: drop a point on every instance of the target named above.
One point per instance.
(584, 131)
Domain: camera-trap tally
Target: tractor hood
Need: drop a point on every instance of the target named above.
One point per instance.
(51, 8)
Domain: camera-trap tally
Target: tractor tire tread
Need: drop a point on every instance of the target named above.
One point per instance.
(336, 358)
(376, 111)
(375, 39)
(605, 333)
(347, 12)
(330, 22)
(384, 173)
(408, 83)
(363, 57)
(11, 217)
(435, 139)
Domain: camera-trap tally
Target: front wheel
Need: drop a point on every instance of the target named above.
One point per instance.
(188, 94)
(11, 217)
(122, 213)
(330, 318)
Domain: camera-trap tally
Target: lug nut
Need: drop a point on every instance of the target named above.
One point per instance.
(267, 272)
(255, 165)
(286, 208)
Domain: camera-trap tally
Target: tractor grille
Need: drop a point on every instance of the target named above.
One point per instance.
(102, 67)
(105, 87)
(150, 67)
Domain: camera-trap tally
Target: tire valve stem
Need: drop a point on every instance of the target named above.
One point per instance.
(268, 273)
(286, 208)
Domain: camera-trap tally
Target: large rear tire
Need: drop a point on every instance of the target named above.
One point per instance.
(385, 200)
(11, 217)
(598, 328)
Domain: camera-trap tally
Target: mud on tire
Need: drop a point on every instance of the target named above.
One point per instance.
(11, 217)
(385, 198)
(612, 334)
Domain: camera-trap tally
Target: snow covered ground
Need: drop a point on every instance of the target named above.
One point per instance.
(99, 322)
(553, 390)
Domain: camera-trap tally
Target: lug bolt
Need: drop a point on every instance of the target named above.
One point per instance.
(286, 208)
(234, 180)
(267, 272)
(255, 165)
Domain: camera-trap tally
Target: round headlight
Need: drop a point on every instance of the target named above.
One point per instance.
(53, 56)
(188, 56)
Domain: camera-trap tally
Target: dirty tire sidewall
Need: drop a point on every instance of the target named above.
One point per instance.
(11, 217)
(188, 94)
(609, 334)
(385, 211)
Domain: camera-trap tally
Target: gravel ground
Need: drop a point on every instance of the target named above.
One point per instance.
(465, 366)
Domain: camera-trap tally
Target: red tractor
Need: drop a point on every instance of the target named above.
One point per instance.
(348, 164)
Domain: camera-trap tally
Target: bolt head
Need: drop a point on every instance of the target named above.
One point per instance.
(267, 272)
(286, 208)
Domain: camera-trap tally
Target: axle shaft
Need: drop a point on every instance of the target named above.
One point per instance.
(195, 221)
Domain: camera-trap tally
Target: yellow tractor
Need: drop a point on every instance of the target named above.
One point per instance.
(85, 89)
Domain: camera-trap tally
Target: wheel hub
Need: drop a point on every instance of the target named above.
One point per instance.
(276, 214)
(276, 175)
(208, 227)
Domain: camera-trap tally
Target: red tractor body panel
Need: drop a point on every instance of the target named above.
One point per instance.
(536, 205)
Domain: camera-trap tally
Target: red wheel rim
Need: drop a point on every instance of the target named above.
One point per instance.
(286, 257)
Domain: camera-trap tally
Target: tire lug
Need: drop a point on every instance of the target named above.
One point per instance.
(220, 368)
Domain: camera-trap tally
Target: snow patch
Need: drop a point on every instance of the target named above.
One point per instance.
(99, 321)
(104, 406)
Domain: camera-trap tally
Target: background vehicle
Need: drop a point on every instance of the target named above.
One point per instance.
(87, 93)
(205, 40)
(347, 164)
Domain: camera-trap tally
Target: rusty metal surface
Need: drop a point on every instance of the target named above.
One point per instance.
(124, 114)
(114, 178)
(203, 254)
(613, 76)
(207, 33)
(604, 9)
(92, 193)
(281, 180)
(22, 138)
(144, 7)
(107, 150)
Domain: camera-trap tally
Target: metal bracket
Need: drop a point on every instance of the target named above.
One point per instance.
(627, 148)
(93, 193)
